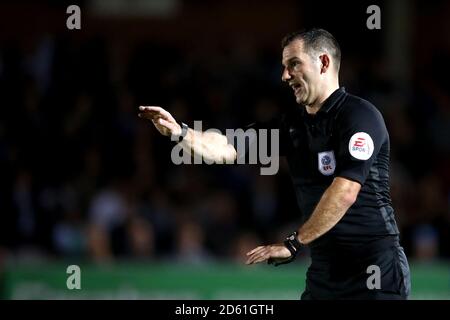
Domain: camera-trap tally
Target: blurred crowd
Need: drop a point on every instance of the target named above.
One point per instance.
(83, 177)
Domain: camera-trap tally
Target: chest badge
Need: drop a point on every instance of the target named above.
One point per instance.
(327, 162)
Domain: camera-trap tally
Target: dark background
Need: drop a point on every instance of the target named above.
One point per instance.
(81, 176)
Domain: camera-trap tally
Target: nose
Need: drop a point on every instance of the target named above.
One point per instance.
(285, 76)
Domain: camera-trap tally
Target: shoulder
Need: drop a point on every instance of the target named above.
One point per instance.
(358, 109)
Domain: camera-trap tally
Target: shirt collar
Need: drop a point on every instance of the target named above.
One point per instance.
(334, 99)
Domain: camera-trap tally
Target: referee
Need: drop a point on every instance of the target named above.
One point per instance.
(337, 148)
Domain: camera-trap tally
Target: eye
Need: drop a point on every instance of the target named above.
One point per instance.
(294, 64)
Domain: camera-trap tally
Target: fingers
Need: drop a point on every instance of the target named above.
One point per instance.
(258, 255)
(252, 251)
(263, 253)
(165, 123)
(151, 112)
(150, 108)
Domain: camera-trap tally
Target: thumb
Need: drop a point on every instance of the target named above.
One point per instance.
(173, 128)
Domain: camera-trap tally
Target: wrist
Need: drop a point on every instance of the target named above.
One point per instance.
(179, 136)
(293, 244)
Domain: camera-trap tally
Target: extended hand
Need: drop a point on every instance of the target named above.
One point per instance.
(275, 252)
(162, 120)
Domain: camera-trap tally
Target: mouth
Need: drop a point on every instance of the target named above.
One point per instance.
(296, 87)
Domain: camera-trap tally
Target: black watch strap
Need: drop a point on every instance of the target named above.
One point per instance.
(184, 130)
(292, 244)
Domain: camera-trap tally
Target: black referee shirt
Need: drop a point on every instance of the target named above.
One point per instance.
(346, 138)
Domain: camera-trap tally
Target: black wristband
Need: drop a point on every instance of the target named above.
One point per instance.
(184, 130)
(292, 244)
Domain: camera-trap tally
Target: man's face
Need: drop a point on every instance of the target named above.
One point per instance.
(301, 72)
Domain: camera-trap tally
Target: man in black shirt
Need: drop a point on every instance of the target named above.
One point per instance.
(337, 147)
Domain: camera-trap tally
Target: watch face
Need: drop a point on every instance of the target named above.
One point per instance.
(292, 236)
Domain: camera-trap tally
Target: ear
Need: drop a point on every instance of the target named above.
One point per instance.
(325, 62)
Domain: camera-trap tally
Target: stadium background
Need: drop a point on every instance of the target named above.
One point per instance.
(84, 181)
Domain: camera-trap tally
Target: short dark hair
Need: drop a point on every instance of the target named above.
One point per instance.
(316, 40)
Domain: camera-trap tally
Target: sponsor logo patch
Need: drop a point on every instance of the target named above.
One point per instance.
(361, 146)
(327, 162)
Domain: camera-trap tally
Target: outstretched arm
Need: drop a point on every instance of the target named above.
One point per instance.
(335, 202)
(212, 146)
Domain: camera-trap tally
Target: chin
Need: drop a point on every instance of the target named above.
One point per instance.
(299, 100)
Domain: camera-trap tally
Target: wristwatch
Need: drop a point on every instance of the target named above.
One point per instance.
(184, 130)
(293, 245)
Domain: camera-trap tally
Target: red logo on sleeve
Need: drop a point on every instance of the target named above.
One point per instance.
(359, 142)
(361, 146)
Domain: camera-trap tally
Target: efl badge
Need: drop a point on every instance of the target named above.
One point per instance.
(361, 146)
(327, 163)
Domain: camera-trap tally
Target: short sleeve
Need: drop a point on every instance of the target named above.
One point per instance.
(361, 133)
